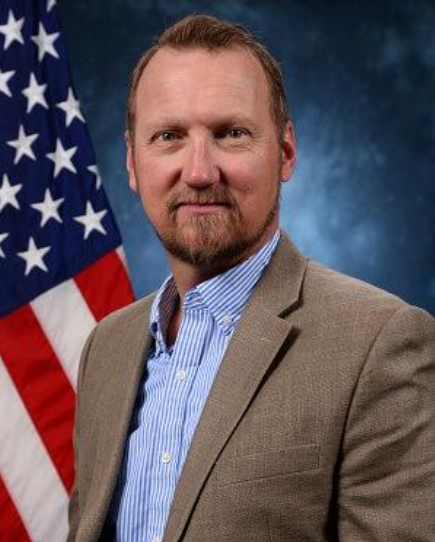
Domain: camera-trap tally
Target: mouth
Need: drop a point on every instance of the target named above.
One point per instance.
(202, 208)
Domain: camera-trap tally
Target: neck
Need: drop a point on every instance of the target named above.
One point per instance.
(187, 276)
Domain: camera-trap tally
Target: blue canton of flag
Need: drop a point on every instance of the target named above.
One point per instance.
(51, 199)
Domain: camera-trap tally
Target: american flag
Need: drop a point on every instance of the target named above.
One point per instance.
(61, 268)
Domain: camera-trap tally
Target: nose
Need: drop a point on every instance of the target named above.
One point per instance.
(200, 168)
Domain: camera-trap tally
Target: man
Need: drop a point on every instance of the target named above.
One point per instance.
(258, 396)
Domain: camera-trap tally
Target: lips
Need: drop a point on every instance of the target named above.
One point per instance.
(213, 198)
(202, 207)
(202, 204)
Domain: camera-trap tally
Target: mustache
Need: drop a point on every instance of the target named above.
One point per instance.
(214, 195)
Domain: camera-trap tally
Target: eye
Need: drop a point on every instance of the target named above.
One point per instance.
(236, 133)
(166, 136)
(232, 133)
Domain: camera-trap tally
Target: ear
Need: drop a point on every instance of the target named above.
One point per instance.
(132, 181)
(288, 152)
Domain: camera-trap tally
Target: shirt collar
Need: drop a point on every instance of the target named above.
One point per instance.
(225, 295)
(161, 311)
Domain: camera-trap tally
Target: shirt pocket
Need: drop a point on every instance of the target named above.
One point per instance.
(291, 460)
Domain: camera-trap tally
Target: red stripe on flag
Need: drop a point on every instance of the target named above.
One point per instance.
(11, 526)
(42, 385)
(105, 285)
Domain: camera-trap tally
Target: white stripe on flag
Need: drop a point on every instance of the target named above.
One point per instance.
(67, 321)
(121, 253)
(27, 471)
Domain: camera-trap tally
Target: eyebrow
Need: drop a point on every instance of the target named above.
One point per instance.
(174, 123)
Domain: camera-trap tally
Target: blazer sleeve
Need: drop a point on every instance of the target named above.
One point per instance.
(74, 512)
(387, 474)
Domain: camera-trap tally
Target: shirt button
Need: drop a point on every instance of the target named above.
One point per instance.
(156, 539)
(166, 457)
(180, 375)
(227, 320)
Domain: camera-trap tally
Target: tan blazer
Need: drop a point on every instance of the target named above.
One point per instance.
(320, 425)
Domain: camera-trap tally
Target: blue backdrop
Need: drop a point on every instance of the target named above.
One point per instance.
(360, 76)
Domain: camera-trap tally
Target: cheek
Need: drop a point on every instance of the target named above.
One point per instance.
(256, 179)
(154, 170)
(242, 175)
(153, 187)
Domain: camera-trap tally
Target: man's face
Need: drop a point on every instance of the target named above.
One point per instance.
(205, 159)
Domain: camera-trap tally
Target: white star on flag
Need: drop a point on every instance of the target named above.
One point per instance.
(12, 30)
(62, 158)
(50, 5)
(45, 42)
(4, 78)
(94, 169)
(71, 107)
(3, 236)
(33, 257)
(8, 194)
(23, 145)
(92, 220)
(35, 94)
(49, 208)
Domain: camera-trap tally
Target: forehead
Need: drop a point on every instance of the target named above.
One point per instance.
(196, 79)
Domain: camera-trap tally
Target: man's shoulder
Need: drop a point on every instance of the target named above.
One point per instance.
(322, 292)
(345, 305)
(326, 285)
(117, 335)
(344, 318)
(129, 315)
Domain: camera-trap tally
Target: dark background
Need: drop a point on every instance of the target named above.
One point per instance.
(361, 82)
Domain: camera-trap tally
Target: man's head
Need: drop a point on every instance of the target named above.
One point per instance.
(208, 144)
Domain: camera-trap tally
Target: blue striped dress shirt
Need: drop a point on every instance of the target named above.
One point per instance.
(173, 392)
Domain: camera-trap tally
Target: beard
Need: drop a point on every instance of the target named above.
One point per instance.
(211, 240)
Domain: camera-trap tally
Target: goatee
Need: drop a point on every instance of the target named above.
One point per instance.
(211, 240)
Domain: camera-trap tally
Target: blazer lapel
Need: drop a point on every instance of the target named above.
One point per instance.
(256, 341)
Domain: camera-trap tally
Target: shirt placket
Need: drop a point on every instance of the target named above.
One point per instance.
(181, 372)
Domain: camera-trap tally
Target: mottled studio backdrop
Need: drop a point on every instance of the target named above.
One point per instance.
(361, 81)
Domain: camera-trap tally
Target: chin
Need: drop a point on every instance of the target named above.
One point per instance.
(208, 251)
